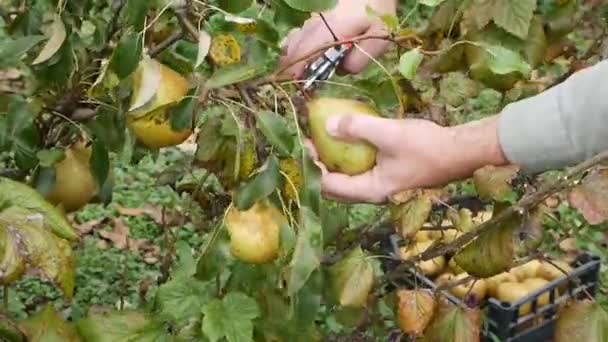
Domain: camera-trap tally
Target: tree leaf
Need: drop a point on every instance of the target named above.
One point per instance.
(182, 114)
(231, 74)
(409, 63)
(591, 197)
(20, 134)
(122, 326)
(127, 55)
(503, 61)
(47, 326)
(54, 43)
(454, 323)
(431, 3)
(515, 16)
(234, 6)
(45, 180)
(311, 186)
(266, 32)
(50, 157)
(311, 5)
(100, 162)
(262, 184)
(584, 320)
(410, 216)
(147, 86)
(390, 20)
(12, 264)
(274, 128)
(9, 330)
(230, 317)
(204, 43)
(12, 50)
(287, 15)
(183, 297)
(21, 195)
(308, 252)
(495, 183)
(136, 11)
(352, 279)
(44, 253)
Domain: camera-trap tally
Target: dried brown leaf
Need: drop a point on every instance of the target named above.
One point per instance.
(119, 235)
(591, 197)
(494, 183)
(86, 228)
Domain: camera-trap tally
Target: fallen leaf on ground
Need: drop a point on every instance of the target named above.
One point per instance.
(87, 227)
(118, 235)
(129, 211)
(171, 217)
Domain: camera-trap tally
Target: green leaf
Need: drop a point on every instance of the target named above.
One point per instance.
(266, 32)
(58, 36)
(183, 297)
(288, 16)
(182, 114)
(136, 11)
(9, 330)
(352, 279)
(390, 20)
(230, 317)
(11, 51)
(503, 61)
(311, 186)
(100, 162)
(262, 184)
(127, 55)
(409, 63)
(47, 326)
(123, 326)
(308, 252)
(234, 6)
(45, 180)
(231, 74)
(311, 5)
(274, 128)
(515, 16)
(431, 3)
(50, 157)
(20, 133)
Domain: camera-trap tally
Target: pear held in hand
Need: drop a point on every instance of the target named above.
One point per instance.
(338, 155)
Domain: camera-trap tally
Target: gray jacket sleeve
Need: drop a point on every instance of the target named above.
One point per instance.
(559, 127)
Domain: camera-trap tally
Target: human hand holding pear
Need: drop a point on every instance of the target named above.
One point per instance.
(409, 153)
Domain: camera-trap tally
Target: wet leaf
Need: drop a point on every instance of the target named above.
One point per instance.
(123, 326)
(54, 43)
(21, 195)
(409, 217)
(259, 186)
(494, 183)
(415, 310)
(352, 279)
(204, 43)
(308, 251)
(45, 255)
(409, 63)
(274, 128)
(47, 326)
(591, 197)
(231, 317)
(582, 321)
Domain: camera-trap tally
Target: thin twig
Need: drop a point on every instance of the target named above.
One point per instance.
(187, 25)
(524, 204)
(165, 44)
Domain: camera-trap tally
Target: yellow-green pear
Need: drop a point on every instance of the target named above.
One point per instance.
(349, 157)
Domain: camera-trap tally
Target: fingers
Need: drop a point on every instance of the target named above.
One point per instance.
(357, 60)
(380, 132)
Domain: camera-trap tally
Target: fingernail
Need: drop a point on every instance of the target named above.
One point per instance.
(332, 124)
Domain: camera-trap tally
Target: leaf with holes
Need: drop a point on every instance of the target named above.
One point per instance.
(591, 197)
(58, 36)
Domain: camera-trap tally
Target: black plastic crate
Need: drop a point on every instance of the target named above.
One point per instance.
(501, 320)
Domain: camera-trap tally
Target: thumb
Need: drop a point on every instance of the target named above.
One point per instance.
(352, 127)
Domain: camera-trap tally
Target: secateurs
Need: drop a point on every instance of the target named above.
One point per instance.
(325, 66)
